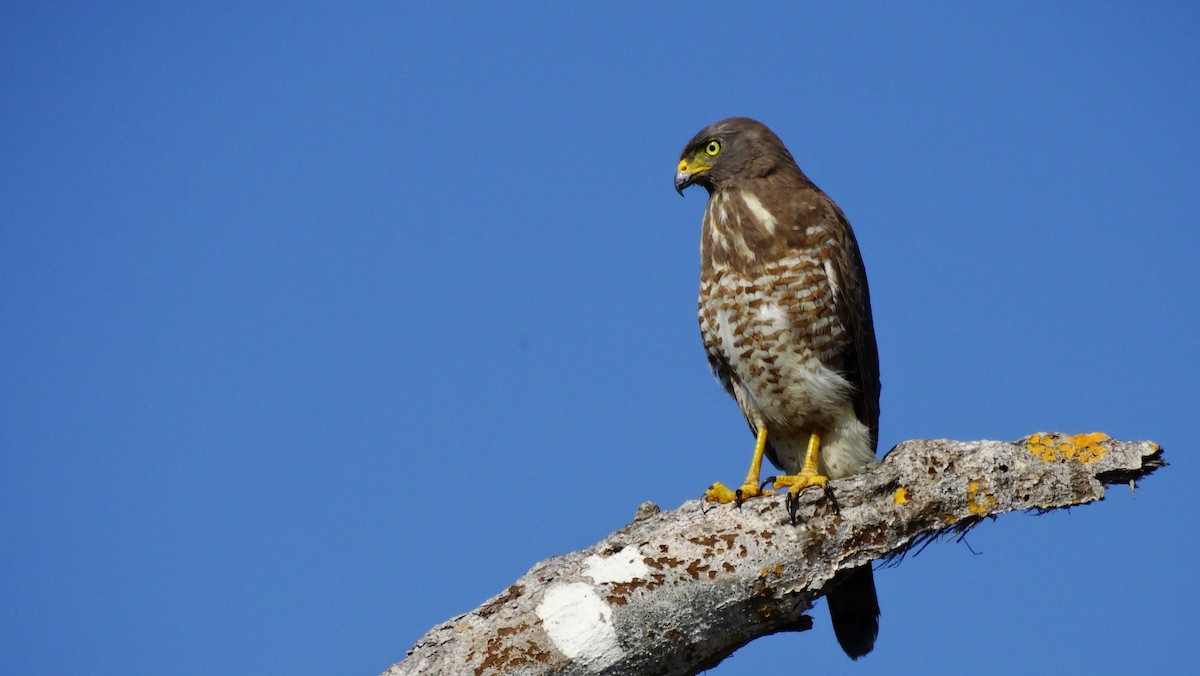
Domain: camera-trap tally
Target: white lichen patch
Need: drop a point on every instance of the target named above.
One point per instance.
(624, 566)
(579, 624)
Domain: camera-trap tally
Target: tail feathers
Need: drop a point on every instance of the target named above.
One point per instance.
(854, 609)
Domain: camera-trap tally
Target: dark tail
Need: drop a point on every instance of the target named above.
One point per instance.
(854, 609)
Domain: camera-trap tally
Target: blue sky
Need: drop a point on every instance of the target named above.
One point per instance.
(324, 323)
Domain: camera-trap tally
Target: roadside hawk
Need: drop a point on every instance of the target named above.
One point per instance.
(786, 322)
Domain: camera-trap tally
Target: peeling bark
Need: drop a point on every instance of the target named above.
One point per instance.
(676, 592)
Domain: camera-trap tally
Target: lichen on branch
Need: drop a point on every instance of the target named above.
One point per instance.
(675, 592)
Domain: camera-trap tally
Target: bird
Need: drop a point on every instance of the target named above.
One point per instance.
(785, 317)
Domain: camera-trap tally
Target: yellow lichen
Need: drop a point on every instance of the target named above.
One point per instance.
(1050, 447)
(776, 570)
(979, 500)
(900, 497)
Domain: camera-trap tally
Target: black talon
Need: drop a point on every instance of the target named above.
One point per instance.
(770, 480)
(832, 499)
(793, 506)
(737, 498)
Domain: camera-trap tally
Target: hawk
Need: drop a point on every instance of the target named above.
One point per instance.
(786, 322)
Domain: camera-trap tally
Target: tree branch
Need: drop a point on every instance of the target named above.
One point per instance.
(676, 592)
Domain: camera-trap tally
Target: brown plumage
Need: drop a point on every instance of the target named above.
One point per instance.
(785, 316)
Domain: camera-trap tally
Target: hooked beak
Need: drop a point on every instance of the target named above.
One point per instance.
(687, 173)
(682, 181)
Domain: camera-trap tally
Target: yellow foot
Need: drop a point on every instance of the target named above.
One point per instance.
(718, 492)
(798, 482)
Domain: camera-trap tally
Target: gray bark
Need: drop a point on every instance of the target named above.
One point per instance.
(676, 592)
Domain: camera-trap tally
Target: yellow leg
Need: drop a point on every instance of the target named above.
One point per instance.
(718, 492)
(808, 476)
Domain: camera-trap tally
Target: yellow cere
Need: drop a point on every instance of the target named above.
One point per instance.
(1050, 447)
(900, 497)
(979, 500)
(695, 164)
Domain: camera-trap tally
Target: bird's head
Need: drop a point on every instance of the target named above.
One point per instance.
(734, 148)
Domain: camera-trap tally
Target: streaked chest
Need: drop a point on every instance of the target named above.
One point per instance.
(784, 313)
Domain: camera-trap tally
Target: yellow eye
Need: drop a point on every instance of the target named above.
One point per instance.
(713, 148)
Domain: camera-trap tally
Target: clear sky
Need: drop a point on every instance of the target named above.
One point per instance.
(321, 324)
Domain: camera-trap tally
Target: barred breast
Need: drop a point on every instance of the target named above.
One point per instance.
(772, 333)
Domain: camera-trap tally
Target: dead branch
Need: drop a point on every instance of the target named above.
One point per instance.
(676, 592)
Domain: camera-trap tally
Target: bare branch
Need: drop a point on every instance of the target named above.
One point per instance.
(676, 592)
